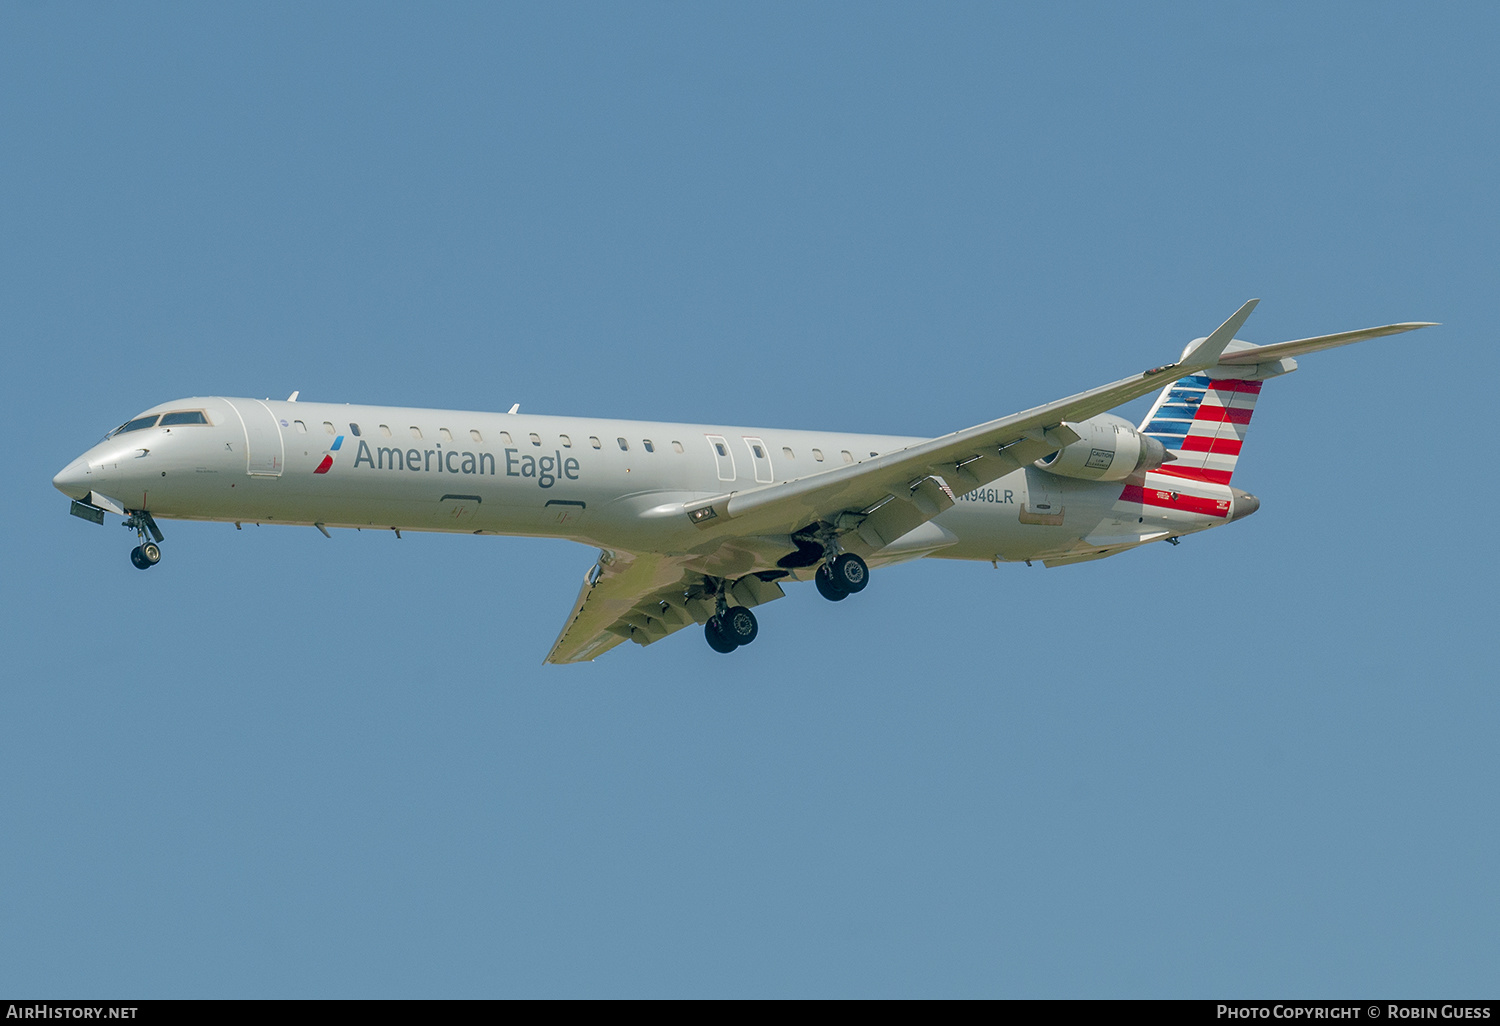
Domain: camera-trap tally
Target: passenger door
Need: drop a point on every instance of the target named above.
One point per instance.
(265, 455)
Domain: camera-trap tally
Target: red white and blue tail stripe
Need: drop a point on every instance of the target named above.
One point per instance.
(1202, 422)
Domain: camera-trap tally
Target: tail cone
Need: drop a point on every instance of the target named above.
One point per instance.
(1244, 504)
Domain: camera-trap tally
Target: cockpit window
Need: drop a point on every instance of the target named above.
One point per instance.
(183, 417)
(134, 425)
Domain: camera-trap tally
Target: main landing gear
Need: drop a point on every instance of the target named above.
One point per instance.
(148, 553)
(730, 628)
(841, 577)
(728, 631)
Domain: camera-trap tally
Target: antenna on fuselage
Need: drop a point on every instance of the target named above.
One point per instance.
(516, 408)
(293, 397)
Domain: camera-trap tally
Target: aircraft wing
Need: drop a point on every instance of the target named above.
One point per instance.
(886, 496)
(641, 598)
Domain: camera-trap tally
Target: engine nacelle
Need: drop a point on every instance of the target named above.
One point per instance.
(1110, 449)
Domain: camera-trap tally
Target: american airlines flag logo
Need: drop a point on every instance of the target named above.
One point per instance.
(327, 463)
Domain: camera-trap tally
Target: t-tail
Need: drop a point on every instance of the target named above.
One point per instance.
(1202, 419)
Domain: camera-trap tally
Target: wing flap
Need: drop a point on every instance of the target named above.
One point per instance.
(641, 598)
(606, 613)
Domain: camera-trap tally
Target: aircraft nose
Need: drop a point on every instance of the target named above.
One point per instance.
(72, 480)
(1244, 504)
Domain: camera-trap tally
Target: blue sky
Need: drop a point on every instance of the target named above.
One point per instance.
(1259, 764)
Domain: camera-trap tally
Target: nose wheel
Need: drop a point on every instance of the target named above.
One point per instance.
(145, 556)
(148, 553)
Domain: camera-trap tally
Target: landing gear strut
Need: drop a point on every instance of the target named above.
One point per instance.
(148, 553)
(841, 577)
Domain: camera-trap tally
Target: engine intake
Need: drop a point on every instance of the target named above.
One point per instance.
(1110, 449)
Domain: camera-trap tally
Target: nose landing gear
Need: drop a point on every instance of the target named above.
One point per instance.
(147, 554)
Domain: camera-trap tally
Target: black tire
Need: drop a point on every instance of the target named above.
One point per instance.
(717, 639)
(851, 573)
(151, 553)
(827, 586)
(138, 560)
(739, 625)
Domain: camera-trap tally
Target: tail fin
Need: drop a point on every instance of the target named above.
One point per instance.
(1202, 420)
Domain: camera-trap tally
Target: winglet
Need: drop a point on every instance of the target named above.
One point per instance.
(1207, 353)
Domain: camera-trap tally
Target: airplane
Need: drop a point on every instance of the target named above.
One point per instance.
(700, 524)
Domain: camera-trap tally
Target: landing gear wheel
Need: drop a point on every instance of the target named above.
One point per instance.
(739, 625)
(148, 553)
(717, 639)
(828, 587)
(851, 573)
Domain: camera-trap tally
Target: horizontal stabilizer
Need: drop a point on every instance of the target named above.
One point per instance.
(1281, 350)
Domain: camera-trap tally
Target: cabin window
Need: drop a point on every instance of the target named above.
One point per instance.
(445, 434)
(354, 430)
(536, 439)
(505, 438)
(874, 454)
(786, 450)
(719, 448)
(328, 427)
(416, 432)
(593, 441)
(183, 417)
(818, 455)
(848, 456)
(677, 446)
(474, 434)
(648, 445)
(567, 443)
(301, 427)
(760, 453)
(624, 445)
(385, 429)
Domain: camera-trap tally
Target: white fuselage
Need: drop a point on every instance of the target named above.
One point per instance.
(611, 483)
